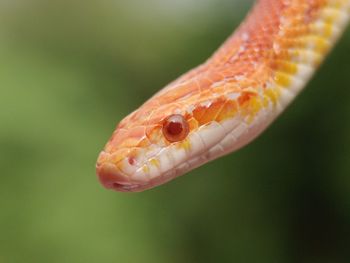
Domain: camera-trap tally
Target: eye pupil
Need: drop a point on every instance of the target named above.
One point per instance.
(175, 128)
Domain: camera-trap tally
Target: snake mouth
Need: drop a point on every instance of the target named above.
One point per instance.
(111, 178)
(124, 188)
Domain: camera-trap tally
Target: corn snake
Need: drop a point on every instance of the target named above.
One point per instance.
(226, 102)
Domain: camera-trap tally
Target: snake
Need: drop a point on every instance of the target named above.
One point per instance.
(226, 102)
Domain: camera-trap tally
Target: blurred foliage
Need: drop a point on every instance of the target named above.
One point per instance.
(70, 70)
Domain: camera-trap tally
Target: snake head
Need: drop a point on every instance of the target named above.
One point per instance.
(146, 149)
(163, 140)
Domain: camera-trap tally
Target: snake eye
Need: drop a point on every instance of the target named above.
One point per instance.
(175, 128)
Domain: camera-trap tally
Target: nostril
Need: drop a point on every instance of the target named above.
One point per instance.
(131, 160)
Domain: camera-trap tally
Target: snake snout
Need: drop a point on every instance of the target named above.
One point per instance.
(111, 178)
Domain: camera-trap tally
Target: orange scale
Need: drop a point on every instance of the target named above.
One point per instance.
(217, 75)
(144, 143)
(118, 133)
(119, 155)
(205, 83)
(228, 110)
(205, 94)
(298, 31)
(175, 94)
(285, 55)
(212, 111)
(159, 114)
(286, 67)
(222, 88)
(230, 72)
(198, 113)
(154, 134)
(291, 43)
(245, 97)
(121, 144)
(141, 116)
(137, 132)
(121, 139)
(245, 84)
(192, 123)
(231, 87)
(155, 119)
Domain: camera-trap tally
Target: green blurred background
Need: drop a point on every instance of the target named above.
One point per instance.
(70, 70)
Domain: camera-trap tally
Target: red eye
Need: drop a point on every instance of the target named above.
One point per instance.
(175, 128)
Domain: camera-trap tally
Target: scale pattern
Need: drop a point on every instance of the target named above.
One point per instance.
(228, 100)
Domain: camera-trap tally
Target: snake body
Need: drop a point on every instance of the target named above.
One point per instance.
(227, 101)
